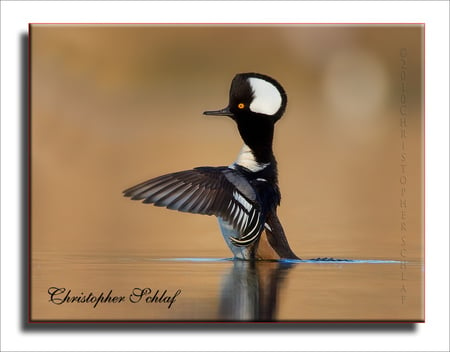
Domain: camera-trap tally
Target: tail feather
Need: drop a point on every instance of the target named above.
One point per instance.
(277, 239)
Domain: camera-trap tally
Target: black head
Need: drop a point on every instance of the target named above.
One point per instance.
(253, 95)
(256, 102)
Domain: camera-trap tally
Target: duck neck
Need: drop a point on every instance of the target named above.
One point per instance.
(258, 142)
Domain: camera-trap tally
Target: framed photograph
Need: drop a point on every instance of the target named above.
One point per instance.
(305, 141)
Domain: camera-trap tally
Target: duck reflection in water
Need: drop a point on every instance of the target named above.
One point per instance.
(250, 290)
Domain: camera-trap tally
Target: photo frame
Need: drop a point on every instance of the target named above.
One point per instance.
(112, 105)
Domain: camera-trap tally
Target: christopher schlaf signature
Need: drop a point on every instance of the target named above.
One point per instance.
(61, 295)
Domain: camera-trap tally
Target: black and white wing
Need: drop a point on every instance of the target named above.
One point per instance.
(218, 191)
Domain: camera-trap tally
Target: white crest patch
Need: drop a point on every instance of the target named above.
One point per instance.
(267, 98)
(247, 160)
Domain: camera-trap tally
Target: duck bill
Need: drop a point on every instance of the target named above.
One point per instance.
(223, 112)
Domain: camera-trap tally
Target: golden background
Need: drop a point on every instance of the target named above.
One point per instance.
(114, 105)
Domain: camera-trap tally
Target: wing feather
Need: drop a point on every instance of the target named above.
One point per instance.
(218, 191)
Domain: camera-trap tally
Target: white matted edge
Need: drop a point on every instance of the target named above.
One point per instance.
(430, 336)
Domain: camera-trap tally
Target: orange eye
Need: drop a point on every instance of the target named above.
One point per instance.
(241, 106)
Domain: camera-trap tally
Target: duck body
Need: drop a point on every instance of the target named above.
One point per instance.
(244, 196)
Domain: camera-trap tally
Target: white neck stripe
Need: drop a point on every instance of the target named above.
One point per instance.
(247, 159)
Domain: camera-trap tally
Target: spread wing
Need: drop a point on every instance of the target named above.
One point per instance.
(218, 191)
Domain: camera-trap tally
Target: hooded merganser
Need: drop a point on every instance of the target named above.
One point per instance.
(245, 195)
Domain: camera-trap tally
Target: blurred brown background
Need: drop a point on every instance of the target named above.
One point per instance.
(112, 106)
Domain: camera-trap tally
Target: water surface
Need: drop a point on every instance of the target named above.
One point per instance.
(138, 288)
